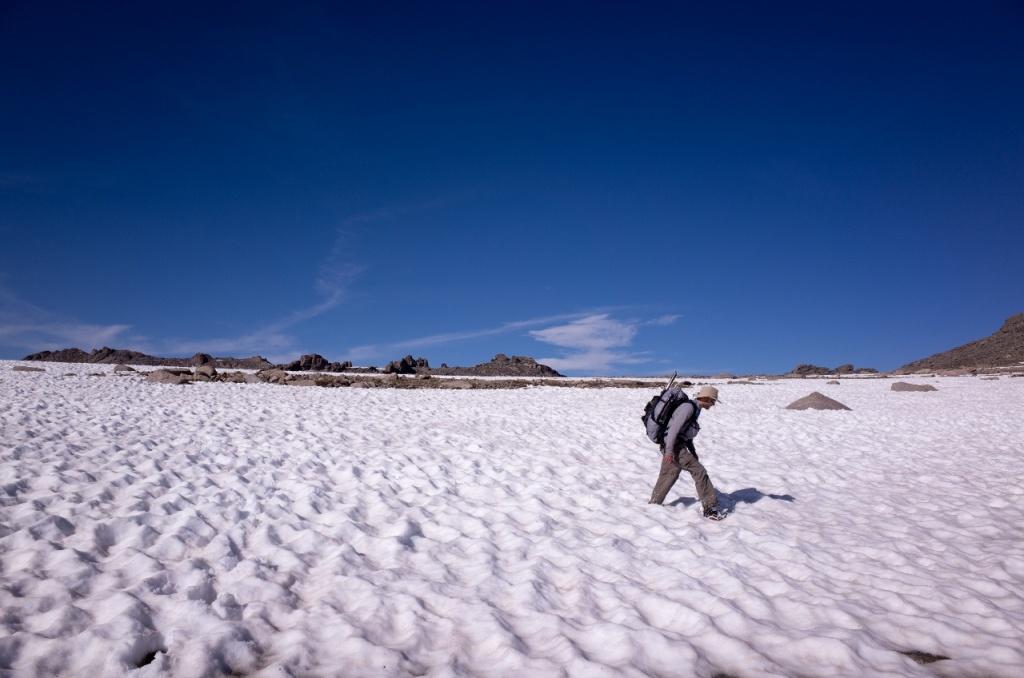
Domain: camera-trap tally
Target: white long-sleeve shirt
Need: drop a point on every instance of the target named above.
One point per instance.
(674, 442)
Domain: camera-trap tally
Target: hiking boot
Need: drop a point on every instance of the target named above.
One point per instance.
(713, 513)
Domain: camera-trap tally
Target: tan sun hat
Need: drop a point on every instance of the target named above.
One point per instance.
(708, 392)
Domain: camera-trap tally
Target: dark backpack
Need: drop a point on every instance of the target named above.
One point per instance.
(660, 409)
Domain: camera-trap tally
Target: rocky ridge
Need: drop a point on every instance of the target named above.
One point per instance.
(1004, 348)
(408, 365)
(114, 356)
(500, 366)
(804, 370)
(314, 362)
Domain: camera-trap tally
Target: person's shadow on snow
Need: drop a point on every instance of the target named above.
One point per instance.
(728, 501)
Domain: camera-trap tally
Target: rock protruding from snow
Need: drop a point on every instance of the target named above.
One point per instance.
(201, 359)
(273, 376)
(169, 377)
(256, 362)
(314, 362)
(205, 372)
(311, 362)
(904, 386)
(407, 365)
(816, 401)
(24, 368)
(123, 369)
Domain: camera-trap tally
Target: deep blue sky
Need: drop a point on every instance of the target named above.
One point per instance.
(622, 189)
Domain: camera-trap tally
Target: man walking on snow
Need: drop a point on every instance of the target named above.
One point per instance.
(679, 453)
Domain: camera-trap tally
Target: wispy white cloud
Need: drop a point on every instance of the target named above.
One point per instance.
(389, 350)
(606, 362)
(596, 343)
(595, 340)
(16, 179)
(48, 336)
(338, 269)
(25, 326)
(397, 211)
(591, 333)
(333, 281)
(664, 320)
(503, 328)
(247, 344)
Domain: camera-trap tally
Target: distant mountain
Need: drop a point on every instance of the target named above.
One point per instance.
(806, 369)
(501, 366)
(1005, 348)
(114, 356)
(64, 355)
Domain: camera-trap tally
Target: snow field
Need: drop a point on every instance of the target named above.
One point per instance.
(213, 529)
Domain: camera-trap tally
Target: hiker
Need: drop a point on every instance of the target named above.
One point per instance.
(679, 453)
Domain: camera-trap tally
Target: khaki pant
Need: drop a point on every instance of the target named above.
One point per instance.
(670, 469)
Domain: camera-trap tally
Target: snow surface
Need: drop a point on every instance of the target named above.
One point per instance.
(273, 530)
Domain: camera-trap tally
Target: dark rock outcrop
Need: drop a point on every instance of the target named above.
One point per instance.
(1004, 348)
(407, 365)
(502, 366)
(804, 370)
(311, 362)
(314, 362)
(115, 356)
(23, 368)
(64, 355)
